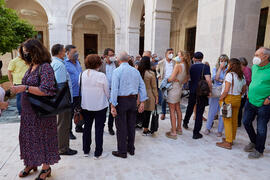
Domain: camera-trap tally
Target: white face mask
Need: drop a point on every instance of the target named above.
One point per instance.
(170, 56)
(257, 60)
(112, 59)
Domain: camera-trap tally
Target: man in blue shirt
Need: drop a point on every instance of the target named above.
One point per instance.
(64, 118)
(196, 71)
(108, 66)
(127, 84)
(74, 69)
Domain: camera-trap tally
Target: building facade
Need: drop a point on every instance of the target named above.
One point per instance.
(233, 27)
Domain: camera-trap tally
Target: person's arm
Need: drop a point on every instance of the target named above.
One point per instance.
(142, 93)
(217, 78)
(209, 82)
(106, 87)
(244, 89)
(267, 101)
(10, 77)
(226, 90)
(3, 105)
(177, 69)
(114, 93)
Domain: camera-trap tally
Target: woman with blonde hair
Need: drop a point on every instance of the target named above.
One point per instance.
(218, 76)
(178, 78)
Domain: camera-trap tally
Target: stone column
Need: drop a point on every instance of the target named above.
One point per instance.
(117, 40)
(228, 27)
(134, 40)
(69, 34)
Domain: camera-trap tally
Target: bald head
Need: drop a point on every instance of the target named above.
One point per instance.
(123, 56)
(147, 53)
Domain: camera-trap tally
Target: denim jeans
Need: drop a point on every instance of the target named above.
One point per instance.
(213, 110)
(163, 106)
(263, 116)
(18, 102)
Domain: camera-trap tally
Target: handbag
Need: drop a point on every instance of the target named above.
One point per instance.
(47, 106)
(226, 109)
(203, 87)
(154, 121)
(216, 91)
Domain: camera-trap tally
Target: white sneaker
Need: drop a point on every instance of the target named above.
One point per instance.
(86, 155)
(103, 155)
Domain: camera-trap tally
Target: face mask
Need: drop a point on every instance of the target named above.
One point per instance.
(257, 60)
(112, 59)
(178, 59)
(27, 57)
(156, 59)
(76, 56)
(170, 56)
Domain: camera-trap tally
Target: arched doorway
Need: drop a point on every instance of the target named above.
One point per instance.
(183, 26)
(93, 30)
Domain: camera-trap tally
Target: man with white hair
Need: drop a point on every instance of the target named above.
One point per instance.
(127, 84)
(258, 103)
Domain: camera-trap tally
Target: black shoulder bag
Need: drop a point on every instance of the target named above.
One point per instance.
(46, 106)
(154, 121)
(203, 87)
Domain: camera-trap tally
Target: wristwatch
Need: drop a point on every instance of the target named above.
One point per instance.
(26, 88)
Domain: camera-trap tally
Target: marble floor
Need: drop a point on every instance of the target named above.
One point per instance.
(157, 158)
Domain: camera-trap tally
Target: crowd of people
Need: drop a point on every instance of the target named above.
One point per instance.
(130, 89)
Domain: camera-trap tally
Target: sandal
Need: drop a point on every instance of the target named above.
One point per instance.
(49, 171)
(169, 135)
(24, 173)
(179, 132)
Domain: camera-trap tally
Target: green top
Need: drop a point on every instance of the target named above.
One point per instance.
(259, 88)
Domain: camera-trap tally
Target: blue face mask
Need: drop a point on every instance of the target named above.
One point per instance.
(156, 59)
(178, 59)
(225, 63)
(76, 56)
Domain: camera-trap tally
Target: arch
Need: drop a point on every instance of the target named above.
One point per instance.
(100, 3)
(46, 7)
(135, 12)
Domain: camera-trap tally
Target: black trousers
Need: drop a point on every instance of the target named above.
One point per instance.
(146, 118)
(75, 104)
(125, 124)
(240, 114)
(201, 102)
(110, 119)
(100, 118)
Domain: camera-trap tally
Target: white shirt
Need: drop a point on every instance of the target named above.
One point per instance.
(168, 69)
(237, 84)
(95, 90)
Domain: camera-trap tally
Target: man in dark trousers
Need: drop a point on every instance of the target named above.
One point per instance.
(109, 64)
(196, 71)
(127, 83)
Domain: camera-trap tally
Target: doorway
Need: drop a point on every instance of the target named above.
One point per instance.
(190, 40)
(90, 44)
(262, 27)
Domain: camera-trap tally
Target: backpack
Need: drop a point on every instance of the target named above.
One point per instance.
(203, 87)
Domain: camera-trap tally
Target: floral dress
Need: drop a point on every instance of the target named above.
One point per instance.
(38, 136)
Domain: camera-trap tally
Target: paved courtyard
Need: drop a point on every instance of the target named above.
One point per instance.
(156, 158)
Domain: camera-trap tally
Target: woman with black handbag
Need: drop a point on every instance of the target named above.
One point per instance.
(38, 135)
(151, 87)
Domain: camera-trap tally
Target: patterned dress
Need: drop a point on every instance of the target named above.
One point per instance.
(38, 136)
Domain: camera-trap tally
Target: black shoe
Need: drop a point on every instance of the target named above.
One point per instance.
(111, 131)
(47, 171)
(69, 152)
(146, 133)
(197, 136)
(185, 126)
(132, 153)
(117, 154)
(139, 126)
(79, 129)
(71, 136)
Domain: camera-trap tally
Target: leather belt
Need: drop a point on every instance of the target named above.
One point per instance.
(130, 96)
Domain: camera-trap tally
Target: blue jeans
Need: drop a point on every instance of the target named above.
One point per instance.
(18, 102)
(263, 116)
(213, 109)
(163, 106)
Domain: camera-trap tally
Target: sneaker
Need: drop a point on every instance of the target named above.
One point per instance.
(219, 134)
(111, 132)
(146, 133)
(86, 155)
(250, 147)
(207, 131)
(255, 155)
(103, 155)
(197, 136)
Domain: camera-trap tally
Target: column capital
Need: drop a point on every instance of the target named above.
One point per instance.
(162, 15)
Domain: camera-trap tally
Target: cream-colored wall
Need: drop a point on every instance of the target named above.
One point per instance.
(83, 26)
(266, 3)
(184, 16)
